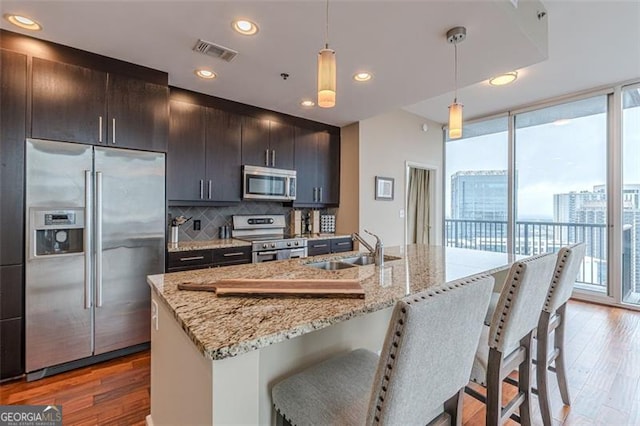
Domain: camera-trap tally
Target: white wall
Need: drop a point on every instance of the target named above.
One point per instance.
(386, 143)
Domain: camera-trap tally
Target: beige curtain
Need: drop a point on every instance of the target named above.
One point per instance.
(418, 208)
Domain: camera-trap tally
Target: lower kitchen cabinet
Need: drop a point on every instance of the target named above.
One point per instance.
(202, 259)
(318, 247)
(341, 244)
(11, 292)
(11, 355)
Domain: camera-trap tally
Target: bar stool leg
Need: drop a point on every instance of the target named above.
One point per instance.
(494, 388)
(542, 365)
(524, 381)
(453, 407)
(561, 371)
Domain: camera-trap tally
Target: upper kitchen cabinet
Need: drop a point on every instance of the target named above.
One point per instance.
(224, 155)
(13, 112)
(267, 143)
(204, 159)
(78, 104)
(138, 113)
(186, 155)
(68, 102)
(317, 162)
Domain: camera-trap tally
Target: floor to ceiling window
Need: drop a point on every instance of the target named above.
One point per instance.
(631, 195)
(562, 160)
(561, 176)
(476, 187)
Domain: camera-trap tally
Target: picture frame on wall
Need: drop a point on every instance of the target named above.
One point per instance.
(384, 188)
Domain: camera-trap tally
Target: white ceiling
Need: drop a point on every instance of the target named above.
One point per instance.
(401, 42)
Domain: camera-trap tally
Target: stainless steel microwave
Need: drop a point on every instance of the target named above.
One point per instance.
(265, 183)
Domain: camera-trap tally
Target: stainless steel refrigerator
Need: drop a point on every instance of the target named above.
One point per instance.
(95, 228)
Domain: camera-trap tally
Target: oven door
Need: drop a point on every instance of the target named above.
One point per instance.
(265, 256)
(284, 254)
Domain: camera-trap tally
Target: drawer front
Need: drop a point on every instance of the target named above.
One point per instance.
(11, 292)
(231, 256)
(317, 247)
(341, 244)
(11, 356)
(189, 260)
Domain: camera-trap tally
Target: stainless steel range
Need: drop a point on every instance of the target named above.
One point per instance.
(267, 236)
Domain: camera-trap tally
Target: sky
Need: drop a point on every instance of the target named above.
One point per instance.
(550, 159)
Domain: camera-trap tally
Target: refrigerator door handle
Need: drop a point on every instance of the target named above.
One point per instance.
(88, 214)
(98, 239)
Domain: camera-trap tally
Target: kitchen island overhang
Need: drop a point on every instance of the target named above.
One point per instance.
(214, 360)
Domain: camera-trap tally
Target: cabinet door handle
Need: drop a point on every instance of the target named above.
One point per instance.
(209, 191)
(320, 196)
(344, 243)
(319, 245)
(238, 253)
(114, 131)
(315, 194)
(273, 158)
(266, 157)
(201, 189)
(100, 129)
(186, 259)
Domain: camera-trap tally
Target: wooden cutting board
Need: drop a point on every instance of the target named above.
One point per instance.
(280, 287)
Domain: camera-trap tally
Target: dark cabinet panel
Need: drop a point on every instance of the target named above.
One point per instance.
(138, 114)
(13, 101)
(306, 165)
(318, 247)
(328, 168)
(223, 156)
(186, 156)
(255, 141)
(11, 292)
(281, 143)
(11, 357)
(186, 260)
(341, 244)
(69, 103)
(231, 256)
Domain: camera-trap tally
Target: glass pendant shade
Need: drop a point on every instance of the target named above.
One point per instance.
(326, 78)
(455, 121)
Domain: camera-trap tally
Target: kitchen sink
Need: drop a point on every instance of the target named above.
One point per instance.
(360, 260)
(331, 265)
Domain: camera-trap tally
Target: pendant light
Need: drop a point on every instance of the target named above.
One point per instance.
(454, 36)
(327, 71)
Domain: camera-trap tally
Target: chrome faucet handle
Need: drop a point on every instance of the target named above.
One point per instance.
(378, 239)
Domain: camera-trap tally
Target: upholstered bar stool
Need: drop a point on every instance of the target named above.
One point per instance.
(506, 344)
(419, 377)
(553, 319)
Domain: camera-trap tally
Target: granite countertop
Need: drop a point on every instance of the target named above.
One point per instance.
(230, 326)
(324, 236)
(206, 245)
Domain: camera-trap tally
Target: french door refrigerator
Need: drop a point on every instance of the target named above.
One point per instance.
(95, 228)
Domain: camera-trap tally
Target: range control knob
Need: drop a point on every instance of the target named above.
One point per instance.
(297, 243)
(289, 244)
(273, 245)
(265, 245)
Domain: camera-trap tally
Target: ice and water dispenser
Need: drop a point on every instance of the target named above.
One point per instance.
(56, 232)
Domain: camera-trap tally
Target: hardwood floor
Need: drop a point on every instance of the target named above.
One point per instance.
(603, 355)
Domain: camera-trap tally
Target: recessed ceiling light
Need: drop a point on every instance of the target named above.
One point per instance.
(362, 76)
(245, 27)
(502, 79)
(206, 74)
(307, 103)
(23, 22)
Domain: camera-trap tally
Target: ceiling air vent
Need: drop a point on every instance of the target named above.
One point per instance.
(215, 50)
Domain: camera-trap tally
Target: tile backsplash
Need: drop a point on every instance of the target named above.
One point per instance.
(211, 218)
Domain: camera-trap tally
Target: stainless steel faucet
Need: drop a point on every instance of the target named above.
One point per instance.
(377, 252)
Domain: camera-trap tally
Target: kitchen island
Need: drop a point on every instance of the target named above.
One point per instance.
(214, 360)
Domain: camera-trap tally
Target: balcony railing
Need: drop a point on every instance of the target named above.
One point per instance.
(533, 238)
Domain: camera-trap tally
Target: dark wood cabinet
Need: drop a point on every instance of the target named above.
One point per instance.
(11, 355)
(202, 259)
(341, 244)
(186, 154)
(77, 104)
(137, 114)
(267, 143)
(11, 292)
(318, 247)
(204, 159)
(13, 104)
(68, 103)
(223, 156)
(317, 162)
